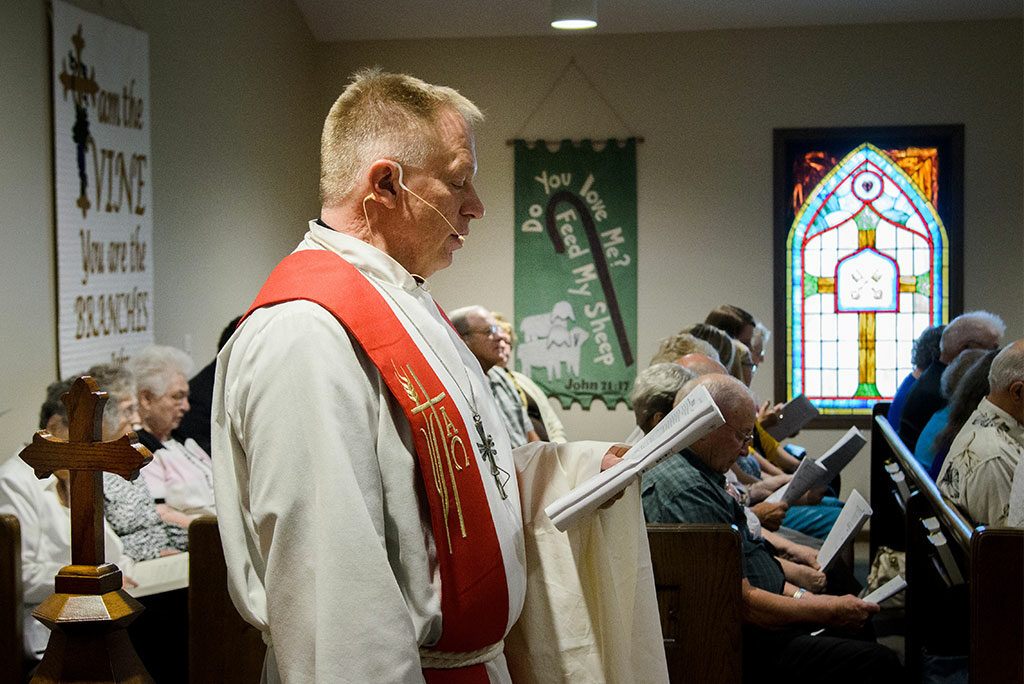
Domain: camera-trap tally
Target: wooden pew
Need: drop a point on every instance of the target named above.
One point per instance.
(223, 648)
(12, 601)
(965, 585)
(697, 575)
(888, 506)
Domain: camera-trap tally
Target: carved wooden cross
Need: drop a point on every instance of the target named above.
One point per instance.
(87, 457)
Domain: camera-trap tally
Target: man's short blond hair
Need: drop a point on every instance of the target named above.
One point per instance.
(383, 116)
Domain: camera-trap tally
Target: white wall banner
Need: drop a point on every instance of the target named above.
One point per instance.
(103, 191)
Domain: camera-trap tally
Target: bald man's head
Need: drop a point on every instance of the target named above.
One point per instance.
(700, 364)
(720, 448)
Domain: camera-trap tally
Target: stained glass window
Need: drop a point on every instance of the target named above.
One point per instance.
(866, 270)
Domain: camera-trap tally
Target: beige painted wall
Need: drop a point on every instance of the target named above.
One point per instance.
(238, 91)
(234, 162)
(706, 104)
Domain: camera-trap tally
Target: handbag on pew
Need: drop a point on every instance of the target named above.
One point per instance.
(886, 565)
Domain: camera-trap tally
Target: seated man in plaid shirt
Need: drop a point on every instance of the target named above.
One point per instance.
(778, 616)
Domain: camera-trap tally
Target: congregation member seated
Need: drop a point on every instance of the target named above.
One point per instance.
(778, 615)
(675, 347)
(654, 393)
(926, 448)
(972, 330)
(546, 422)
(734, 322)
(924, 352)
(196, 422)
(967, 394)
(717, 338)
(757, 470)
(180, 477)
(979, 470)
(128, 506)
(42, 509)
(482, 335)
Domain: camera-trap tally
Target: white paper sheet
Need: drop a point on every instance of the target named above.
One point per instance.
(809, 474)
(853, 516)
(158, 575)
(842, 452)
(695, 416)
(890, 588)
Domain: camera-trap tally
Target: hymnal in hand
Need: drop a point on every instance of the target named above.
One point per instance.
(813, 473)
(797, 413)
(853, 516)
(692, 418)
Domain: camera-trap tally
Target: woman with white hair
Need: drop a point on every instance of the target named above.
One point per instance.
(181, 474)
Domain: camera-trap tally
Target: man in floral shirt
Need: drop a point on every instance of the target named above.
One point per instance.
(978, 472)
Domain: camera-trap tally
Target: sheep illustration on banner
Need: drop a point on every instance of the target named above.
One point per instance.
(576, 268)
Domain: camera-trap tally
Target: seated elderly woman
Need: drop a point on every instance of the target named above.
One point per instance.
(41, 507)
(128, 506)
(180, 476)
(927, 448)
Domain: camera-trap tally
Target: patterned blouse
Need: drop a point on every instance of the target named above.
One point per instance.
(129, 508)
(979, 469)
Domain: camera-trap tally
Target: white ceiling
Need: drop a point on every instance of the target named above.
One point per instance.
(344, 20)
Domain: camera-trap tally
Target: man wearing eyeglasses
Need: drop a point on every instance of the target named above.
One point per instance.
(778, 616)
(486, 340)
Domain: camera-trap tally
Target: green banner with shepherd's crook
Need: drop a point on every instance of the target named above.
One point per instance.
(575, 269)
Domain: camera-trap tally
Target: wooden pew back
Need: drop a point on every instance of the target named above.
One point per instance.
(697, 574)
(223, 648)
(12, 598)
(965, 588)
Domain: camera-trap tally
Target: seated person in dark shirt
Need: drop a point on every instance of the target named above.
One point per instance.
(972, 330)
(196, 422)
(778, 616)
(925, 351)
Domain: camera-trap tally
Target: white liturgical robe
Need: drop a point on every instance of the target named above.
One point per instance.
(323, 514)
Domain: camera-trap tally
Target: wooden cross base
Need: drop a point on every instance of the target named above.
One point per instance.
(88, 617)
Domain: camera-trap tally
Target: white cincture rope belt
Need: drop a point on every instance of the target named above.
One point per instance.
(447, 660)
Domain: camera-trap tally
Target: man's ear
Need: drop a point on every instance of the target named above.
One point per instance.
(383, 181)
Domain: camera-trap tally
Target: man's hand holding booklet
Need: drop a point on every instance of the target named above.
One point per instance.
(695, 416)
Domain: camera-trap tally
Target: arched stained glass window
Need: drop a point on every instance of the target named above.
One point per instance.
(867, 258)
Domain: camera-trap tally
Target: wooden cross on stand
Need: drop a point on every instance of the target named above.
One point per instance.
(88, 611)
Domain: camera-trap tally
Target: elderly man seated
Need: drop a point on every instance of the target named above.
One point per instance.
(778, 616)
(654, 393)
(972, 330)
(482, 334)
(979, 470)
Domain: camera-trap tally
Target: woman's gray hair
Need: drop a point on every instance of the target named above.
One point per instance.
(761, 335)
(155, 367)
(956, 369)
(967, 328)
(671, 349)
(119, 384)
(740, 356)
(717, 338)
(655, 390)
(1007, 368)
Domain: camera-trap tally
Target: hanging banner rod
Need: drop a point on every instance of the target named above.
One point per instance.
(574, 141)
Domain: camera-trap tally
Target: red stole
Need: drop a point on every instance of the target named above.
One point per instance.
(474, 593)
